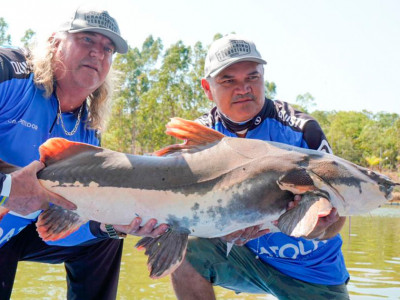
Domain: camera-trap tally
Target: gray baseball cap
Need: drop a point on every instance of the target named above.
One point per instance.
(228, 50)
(96, 20)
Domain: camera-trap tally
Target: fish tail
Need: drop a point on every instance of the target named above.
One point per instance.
(301, 220)
(56, 223)
(165, 252)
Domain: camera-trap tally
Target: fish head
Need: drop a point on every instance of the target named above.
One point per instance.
(365, 191)
(378, 190)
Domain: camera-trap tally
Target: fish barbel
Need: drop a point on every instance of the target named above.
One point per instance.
(208, 187)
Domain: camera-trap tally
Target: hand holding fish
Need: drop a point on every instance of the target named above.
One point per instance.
(147, 230)
(241, 237)
(27, 194)
(327, 226)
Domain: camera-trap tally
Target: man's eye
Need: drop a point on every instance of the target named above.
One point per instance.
(255, 77)
(87, 39)
(109, 50)
(227, 81)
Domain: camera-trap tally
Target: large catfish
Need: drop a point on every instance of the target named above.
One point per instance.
(208, 187)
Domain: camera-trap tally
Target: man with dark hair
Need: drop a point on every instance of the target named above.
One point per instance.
(272, 263)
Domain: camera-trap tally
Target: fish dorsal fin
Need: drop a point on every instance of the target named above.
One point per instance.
(192, 132)
(56, 149)
(194, 135)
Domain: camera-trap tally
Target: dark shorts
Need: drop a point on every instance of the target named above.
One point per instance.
(92, 268)
(242, 272)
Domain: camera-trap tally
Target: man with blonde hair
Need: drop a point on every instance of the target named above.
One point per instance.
(60, 91)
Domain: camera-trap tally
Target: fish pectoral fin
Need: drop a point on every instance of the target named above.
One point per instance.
(297, 181)
(165, 252)
(301, 220)
(56, 223)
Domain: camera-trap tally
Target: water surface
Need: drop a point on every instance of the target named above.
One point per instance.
(371, 248)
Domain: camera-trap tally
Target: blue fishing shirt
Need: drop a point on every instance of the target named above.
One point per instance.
(314, 261)
(28, 119)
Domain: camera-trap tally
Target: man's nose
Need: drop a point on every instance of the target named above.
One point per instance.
(97, 51)
(243, 87)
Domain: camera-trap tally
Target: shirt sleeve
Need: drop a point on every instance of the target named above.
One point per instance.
(86, 233)
(315, 137)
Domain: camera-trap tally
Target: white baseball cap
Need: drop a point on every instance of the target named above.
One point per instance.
(228, 50)
(99, 21)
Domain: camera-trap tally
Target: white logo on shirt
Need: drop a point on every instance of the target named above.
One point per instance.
(23, 123)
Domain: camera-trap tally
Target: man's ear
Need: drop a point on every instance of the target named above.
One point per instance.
(53, 40)
(206, 87)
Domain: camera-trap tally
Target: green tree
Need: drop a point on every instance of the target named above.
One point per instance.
(5, 39)
(343, 134)
(156, 86)
(28, 37)
(136, 70)
(270, 89)
(305, 102)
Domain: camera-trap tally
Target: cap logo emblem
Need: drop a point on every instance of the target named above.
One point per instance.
(233, 49)
(101, 20)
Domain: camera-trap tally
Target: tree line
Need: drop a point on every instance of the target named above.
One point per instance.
(155, 84)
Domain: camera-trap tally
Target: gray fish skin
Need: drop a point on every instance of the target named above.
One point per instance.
(226, 186)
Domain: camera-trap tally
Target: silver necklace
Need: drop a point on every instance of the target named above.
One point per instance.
(78, 120)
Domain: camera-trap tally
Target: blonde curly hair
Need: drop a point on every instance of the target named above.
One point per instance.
(40, 60)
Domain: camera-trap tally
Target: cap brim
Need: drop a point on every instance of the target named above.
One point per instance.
(120, 44)
(234, 61)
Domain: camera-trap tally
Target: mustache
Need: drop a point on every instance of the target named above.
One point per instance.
(244, 97)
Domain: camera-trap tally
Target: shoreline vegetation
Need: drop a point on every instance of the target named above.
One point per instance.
(395, 176)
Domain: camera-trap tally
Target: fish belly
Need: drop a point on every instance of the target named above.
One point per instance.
(207, 215)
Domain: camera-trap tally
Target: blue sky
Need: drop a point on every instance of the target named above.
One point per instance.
(345, 53)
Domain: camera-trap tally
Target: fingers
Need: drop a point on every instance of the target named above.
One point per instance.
(59, 200)
(328, 220)
(147, 229)
(295, 202)
(241, 237)
(36, 166)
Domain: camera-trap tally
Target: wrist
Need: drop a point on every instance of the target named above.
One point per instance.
(5, 188)
(112, 233)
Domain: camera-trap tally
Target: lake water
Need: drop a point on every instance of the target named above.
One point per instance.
(371, 248)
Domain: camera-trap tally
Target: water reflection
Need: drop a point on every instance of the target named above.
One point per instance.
(370, 245)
